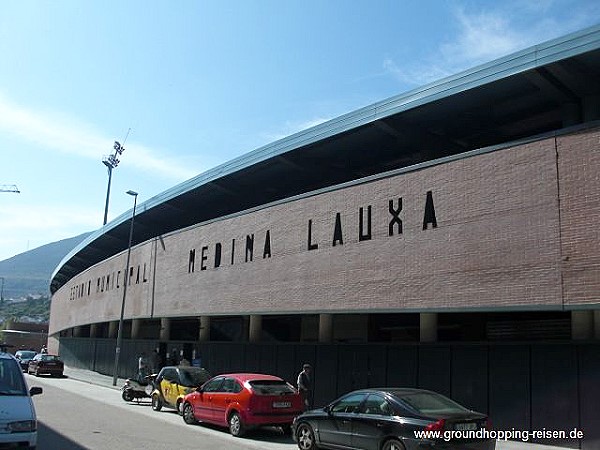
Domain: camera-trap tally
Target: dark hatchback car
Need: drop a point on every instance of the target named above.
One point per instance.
(24, 356)
(392, 419)
(42, 363)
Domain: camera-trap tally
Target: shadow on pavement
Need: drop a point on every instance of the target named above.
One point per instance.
(48, 439)
(263, 434)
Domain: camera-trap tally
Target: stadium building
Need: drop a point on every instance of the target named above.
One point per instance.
(446, 238)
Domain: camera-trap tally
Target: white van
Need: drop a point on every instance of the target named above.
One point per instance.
(18, 423)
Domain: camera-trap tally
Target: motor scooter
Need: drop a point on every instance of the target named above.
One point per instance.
(136, 389)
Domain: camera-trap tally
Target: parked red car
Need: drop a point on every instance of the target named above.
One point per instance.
(243, 400)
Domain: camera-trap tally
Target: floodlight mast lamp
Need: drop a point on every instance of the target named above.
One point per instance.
(125, 283)
(111, 162)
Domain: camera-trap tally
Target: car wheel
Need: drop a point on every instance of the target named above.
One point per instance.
(188, 414)
(393, 444)
(305, 437)
(127, 395)
(236, 426)
(156, 402)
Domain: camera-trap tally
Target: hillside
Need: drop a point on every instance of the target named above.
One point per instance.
(28, 273)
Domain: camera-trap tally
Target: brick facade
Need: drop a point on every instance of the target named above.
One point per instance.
(500, 218)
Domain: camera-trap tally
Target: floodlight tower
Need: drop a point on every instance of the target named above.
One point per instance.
(111, 162)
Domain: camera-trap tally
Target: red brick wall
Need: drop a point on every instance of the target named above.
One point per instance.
(497, 244)
(579, 170)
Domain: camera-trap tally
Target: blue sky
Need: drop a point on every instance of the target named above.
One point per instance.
(198, 83)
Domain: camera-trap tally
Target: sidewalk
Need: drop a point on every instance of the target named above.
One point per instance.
(96, 378)
(89, 376)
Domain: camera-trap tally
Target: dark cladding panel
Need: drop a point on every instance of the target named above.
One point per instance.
(554, 393)
(376, 366)
(402, 366)
(228, 358)
(285, 357)
(353, 371)
(268, 359)
(470, 377)
(252, 354)
(435, 369)
(589, 388)
(509, 387)
(325, 385)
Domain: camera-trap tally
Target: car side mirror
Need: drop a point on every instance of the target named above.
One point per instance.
(35, 390)
(327, 409)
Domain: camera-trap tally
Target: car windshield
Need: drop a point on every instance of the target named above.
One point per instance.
(25, 354)
(49, 358)
(430, 403)
(11, 378)
(271, 387)
(194, 376)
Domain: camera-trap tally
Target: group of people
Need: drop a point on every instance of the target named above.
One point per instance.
(152, 364)
(149, 365)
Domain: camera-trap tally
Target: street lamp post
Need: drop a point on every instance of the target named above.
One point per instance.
(126, 282)
(111, 162)
(2, 292)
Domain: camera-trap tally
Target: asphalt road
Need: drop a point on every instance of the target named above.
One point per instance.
(75, 415)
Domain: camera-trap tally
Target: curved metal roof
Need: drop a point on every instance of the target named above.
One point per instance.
(541, 89)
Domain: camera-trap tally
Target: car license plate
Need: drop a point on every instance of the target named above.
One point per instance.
(282, 404)
(465, 426)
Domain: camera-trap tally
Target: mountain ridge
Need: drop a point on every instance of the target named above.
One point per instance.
(28, 273)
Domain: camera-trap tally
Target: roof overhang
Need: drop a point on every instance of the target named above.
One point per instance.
(542, 89)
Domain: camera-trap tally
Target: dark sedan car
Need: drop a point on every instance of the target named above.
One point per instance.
(24, 356)
(392, 419)
(42, 363)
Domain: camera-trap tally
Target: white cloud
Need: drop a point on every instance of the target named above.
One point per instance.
(53, 131)
(484, 35)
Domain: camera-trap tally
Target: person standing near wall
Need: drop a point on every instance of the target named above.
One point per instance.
(305, 385)
(155, 361)
(142, 366)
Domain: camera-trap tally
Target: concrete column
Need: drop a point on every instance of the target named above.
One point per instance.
(136, 328)
(255, 328)
(597, 324)
(113, 328)
(204, 334)
(325, 328)
(94, 330)
(428, 327)
(165, 329)
(582, 325)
